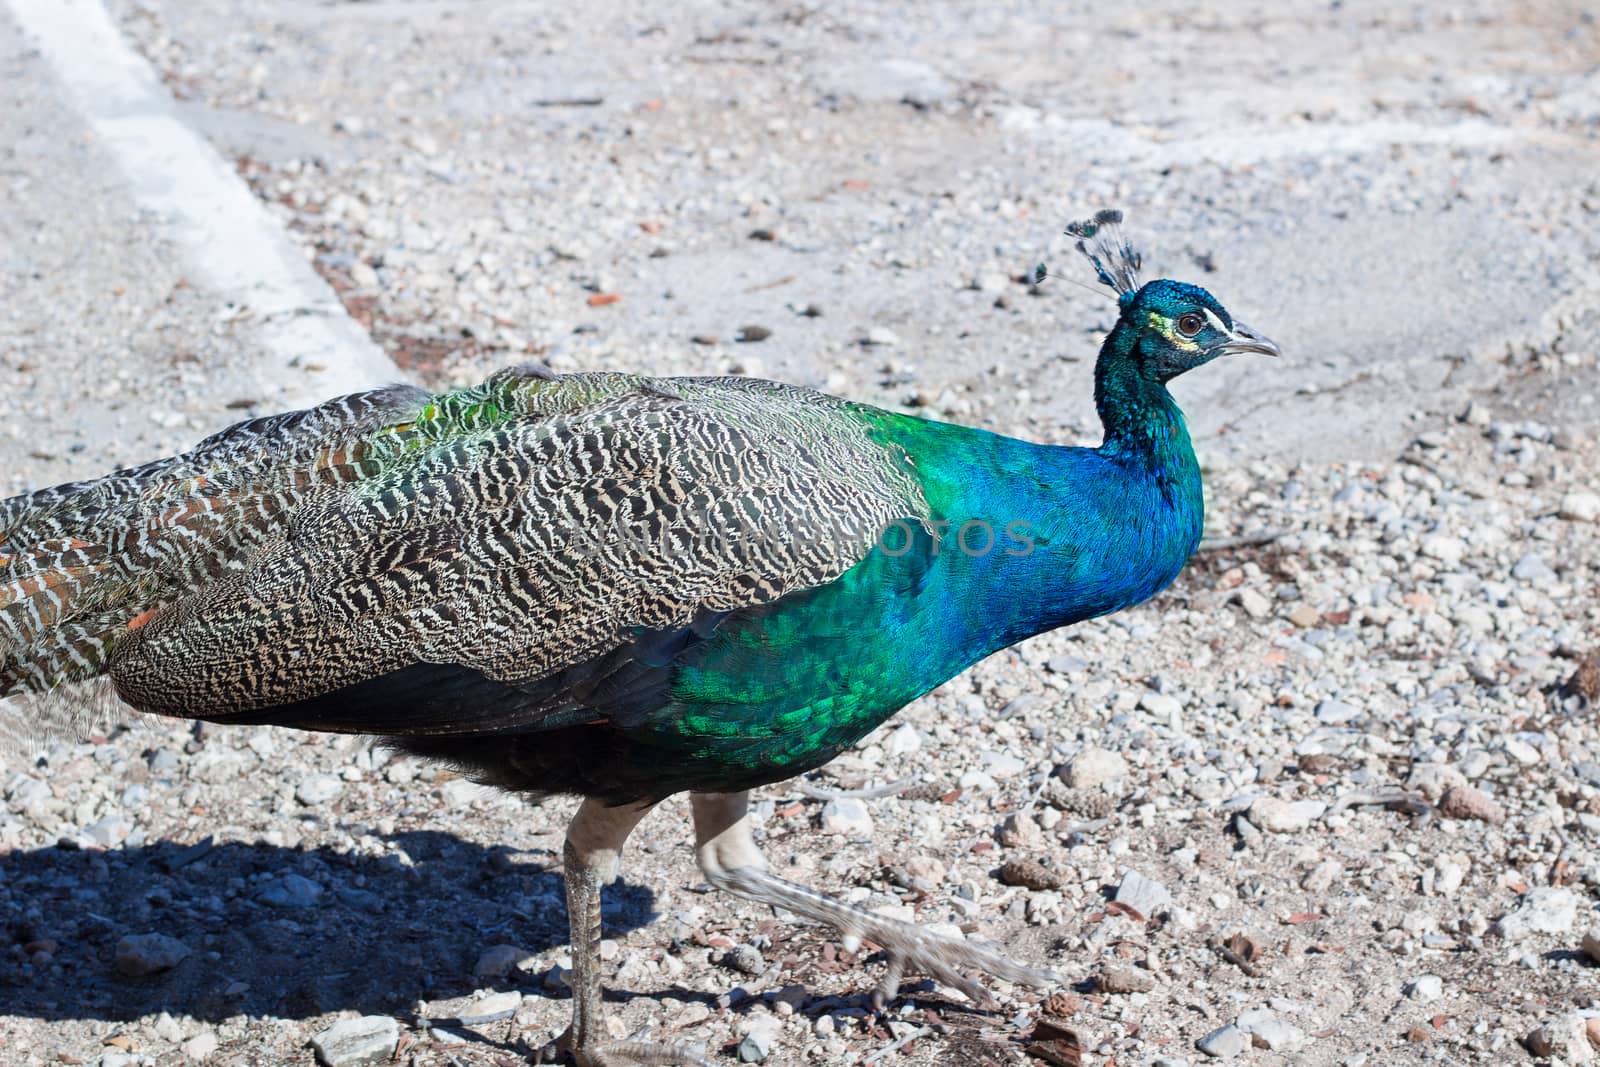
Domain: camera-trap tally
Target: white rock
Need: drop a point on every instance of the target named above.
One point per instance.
(904, 740)
(1542, 911)
(1020, 831)
(978, 782)
(1161, 705)
(1283, 816)
(1580, 506)
(1268, 1031)
(882, 336)
(1565, 1039)
(1425, 987)
(1254, 604)
(201, 1046)
(1445, 549)
(1448, 876)
(353, 1042)
(1002, 765)
(846, 816)
(1093, 767)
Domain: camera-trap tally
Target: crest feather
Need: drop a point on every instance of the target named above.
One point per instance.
(1100, 239)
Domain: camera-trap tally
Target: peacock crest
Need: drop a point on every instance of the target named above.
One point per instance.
(1115, 262)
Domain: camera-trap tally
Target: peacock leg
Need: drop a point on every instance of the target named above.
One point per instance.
(591, 858)
(730, 860)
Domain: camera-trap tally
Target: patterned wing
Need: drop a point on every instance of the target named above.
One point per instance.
(79, 562)
(532, 527)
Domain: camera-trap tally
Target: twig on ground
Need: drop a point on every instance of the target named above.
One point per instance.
(894, 788)
(1249, 540)
(897, 1045)
(1393, 799)
(457, 1021)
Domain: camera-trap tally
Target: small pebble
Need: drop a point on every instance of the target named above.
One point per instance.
(1284, 816)
(1425, 987)
(139, 955)
(847, 817)
(317, 789)
(1224, 1043)
(1580, 506)
(1094, 767)
(1465, 802)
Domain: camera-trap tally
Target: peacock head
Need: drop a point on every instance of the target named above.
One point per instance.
(1166, 327)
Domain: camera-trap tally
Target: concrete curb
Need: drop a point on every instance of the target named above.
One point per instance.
(228, 239)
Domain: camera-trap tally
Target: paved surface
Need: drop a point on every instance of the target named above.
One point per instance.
(1406, 215)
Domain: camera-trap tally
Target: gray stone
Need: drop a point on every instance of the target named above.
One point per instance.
(1145, 895)
(846, 816)
(497, 961)
(143, 954)
(109, 831)
(289, 891)
(1591, 944)
(757, 1035)
(370, 1039)
(1224, 1043)
(1268, 1031)
(316, 789)
(1336, 712)
(1531, 568)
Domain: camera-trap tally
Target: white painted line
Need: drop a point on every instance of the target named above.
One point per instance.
(230, 242)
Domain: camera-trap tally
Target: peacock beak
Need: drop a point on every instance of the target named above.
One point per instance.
(1243, 339)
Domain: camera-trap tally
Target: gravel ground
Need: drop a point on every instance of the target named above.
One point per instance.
(1352, 762)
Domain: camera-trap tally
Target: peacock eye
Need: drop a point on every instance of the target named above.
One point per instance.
(1190, 324)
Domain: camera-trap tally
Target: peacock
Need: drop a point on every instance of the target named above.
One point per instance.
(618, 587)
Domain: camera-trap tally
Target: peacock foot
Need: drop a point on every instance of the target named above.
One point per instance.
(635, 1050)
(730, 860)
(909, 948)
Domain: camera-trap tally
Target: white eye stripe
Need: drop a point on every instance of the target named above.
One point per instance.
(1211, 316)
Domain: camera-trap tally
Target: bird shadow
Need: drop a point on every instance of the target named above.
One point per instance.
(277, 931)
